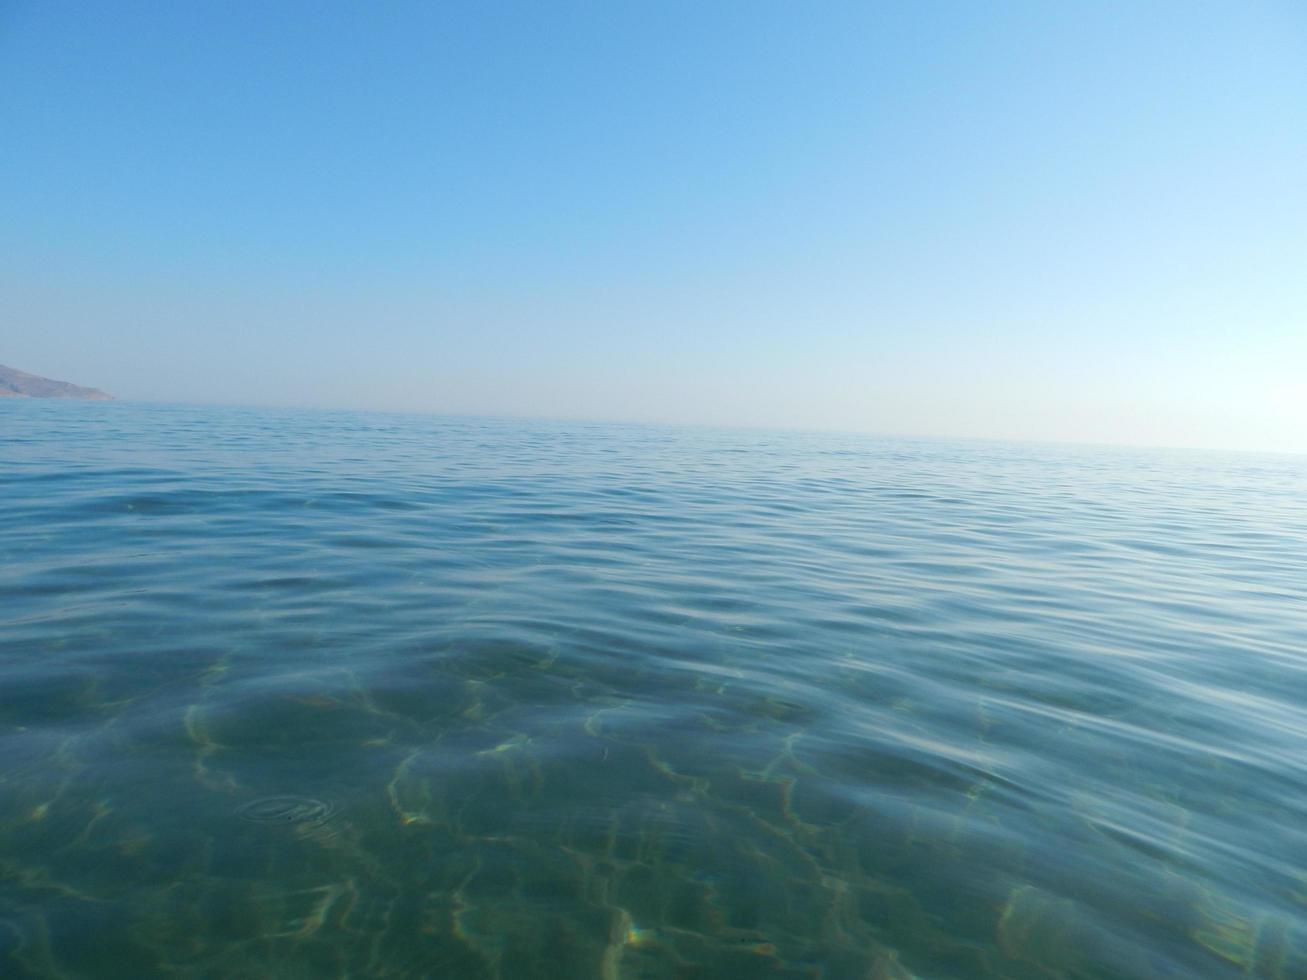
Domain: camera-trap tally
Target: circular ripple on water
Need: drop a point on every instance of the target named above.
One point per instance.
(286, 809)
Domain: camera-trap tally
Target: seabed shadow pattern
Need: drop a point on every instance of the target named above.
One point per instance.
(331, 695)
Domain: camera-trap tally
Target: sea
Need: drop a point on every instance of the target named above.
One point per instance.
(302, 694)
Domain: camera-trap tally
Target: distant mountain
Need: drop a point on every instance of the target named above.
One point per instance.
(20, 384)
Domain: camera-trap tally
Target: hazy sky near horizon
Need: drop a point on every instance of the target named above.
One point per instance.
(1080, 222)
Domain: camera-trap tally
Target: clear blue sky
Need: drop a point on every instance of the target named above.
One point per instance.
(1031, 220)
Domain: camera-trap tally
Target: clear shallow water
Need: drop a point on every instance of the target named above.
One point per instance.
(312, 694)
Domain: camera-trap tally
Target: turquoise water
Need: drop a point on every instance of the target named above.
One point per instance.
(347, 695)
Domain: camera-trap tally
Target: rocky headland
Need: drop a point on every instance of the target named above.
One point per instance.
(20, 384)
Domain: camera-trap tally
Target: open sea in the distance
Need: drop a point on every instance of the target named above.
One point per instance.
(310, 694)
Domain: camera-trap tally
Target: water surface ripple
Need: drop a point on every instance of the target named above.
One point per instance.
(321, 694)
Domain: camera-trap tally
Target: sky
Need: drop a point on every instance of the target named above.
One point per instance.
(1070, 222)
